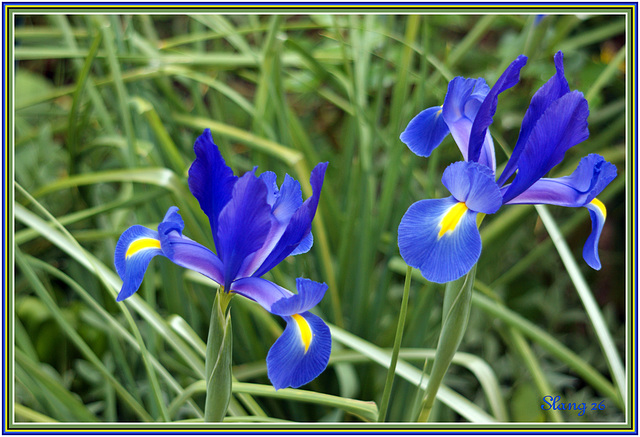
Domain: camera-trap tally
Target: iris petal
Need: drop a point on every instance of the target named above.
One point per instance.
(310, 293)
(461, 103)
(562, 126)
(244, 224)
(551, 91)
(284, 203)
(211, 181)
(484, 117)
(301, 353)
(193, 256)
(425, 131)
(473, 184)
(591, 176)
(134, 250)
(299, 226)
(439, 258)
(305, 245)
(264, 292)
(288, 201)
(598, 215)
(172, 222)
(270, 180)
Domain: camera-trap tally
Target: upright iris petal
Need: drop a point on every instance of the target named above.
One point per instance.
(211, 181)
(562, 126)
(255, 225)
(299, 226)
(461, 104)
(484, 115)
(243, 224)
(548, 93)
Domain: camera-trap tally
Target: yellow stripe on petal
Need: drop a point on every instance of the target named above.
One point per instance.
(142, 244)
(305, 330)
(452, 218)
(595, 202)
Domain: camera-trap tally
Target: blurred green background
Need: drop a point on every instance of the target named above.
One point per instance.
(107, 108)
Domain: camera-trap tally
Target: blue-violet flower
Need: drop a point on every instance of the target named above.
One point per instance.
(440, 236)
(255, 226)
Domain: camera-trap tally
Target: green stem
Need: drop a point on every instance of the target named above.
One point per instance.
(456, 309)
(218, 359)
(382, 413)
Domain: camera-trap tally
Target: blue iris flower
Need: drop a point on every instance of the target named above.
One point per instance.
(255, 226)
(440, 236)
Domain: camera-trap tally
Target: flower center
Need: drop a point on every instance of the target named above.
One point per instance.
(451, 218)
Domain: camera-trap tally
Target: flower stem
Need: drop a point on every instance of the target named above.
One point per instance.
(218, 359)
(382, 413)
(455, 315)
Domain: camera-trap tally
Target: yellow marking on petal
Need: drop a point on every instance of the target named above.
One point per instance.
(305, 330)
(141, 244)
(451, 218)
(438, 113)
(595, 202)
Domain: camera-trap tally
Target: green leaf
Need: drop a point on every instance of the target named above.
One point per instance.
(54, 390)
(588, 301)
(365, 410)
(458, 403)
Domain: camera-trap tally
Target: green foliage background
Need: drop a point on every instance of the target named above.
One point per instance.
(107, 110)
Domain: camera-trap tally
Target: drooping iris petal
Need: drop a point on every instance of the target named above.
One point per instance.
(461, 103)
(299, 225)
(264, 292)
(484, 116)
(301, 353)
(562, 126)
(211, 181)
(310, 293)
(134, 250)
(440, 238)
(185, 252)
(591, 176)
(244, 224)
(598, 214)
(425, 131)
(551, 91)
(473, 184)
(191, 255)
